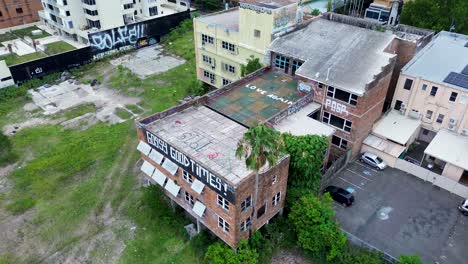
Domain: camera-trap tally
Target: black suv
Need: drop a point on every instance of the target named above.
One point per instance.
(340, 195)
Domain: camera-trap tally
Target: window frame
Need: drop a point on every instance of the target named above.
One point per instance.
(453, 97)
(352, 98)
(207, 39)
(410, 82)
(228, 46)
(246, 203)
(281, 62)
(187, 177)
(245, 225)
(343, 144)
(223, 203)
(347, 124)
(440, 118)
(223, 224)
(434, 90)
(189, 198)
(226, 81)
(257, 33)
(275, 200)
(429, 114)
(274, 179)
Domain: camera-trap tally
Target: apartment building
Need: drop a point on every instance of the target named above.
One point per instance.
(225, 40)
(77, 18)
(384, 11)
(189, 151)
(18, 12)
(433, 89)
(347, 68)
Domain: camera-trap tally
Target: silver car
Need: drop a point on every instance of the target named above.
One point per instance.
(373, 160)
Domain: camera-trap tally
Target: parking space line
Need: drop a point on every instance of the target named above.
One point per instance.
(358, 174)
(367, 167)
(351, 183)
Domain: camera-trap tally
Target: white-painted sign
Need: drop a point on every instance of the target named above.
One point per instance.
(272, 96)
(336, 107)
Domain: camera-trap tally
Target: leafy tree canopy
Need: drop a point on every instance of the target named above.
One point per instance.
(220, 253)
(260, 145)
(436, 14)
(306, 160)
(253, 64)
(409, 260)
(312, 218)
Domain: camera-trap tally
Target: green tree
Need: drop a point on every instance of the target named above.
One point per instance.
(436, 14)
(209, 4)
(312, 218)
(315, 12)
(409, 260)
(260, 146)
(220, 253)
(253, 64)
(306, 154)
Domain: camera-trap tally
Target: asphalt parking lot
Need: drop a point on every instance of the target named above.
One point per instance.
(400, 214)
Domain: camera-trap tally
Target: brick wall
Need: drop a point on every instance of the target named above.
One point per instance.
(11, 17)
(233, 216)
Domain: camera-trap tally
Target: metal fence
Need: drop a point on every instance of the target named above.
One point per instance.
(336, 167)
(361, 243)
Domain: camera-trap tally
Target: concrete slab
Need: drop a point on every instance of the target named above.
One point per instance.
(19, 47)
(67, 95)
(400, 214)
(148, 61)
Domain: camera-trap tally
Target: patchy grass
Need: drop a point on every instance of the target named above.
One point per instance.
(70, 175)
(160, 237)
(58, 47)
(78, 111)
(135, 109)
(13, 58)
(27, 32)
(122, 113)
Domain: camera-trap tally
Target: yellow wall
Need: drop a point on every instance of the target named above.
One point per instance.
(453, 172)
(245, 41)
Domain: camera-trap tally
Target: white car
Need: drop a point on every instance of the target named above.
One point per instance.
(373, 160)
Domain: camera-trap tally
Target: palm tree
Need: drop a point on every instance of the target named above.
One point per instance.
(260, 146)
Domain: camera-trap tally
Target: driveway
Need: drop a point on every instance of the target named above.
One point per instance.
(400, 214)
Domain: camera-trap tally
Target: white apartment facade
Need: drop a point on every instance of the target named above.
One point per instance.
(433, 88)
(77, 18)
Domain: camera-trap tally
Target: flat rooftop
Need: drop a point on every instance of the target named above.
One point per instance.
(208, 136)
(449, 147)
(386, 146)
(446, 53)
(396, 127)
(300, 124)
(337, 54)
(271, 4)
(226, 19)
(256, 100)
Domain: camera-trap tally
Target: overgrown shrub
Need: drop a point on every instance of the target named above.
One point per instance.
(252, 65)
(409, 260)
(220, 253)
(317, 231)
(304, 168)
(6, 151)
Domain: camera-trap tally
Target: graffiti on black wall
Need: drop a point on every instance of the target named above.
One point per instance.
(117, 37)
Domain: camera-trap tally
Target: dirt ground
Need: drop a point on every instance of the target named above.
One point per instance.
(102, 235)
(289, 257)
